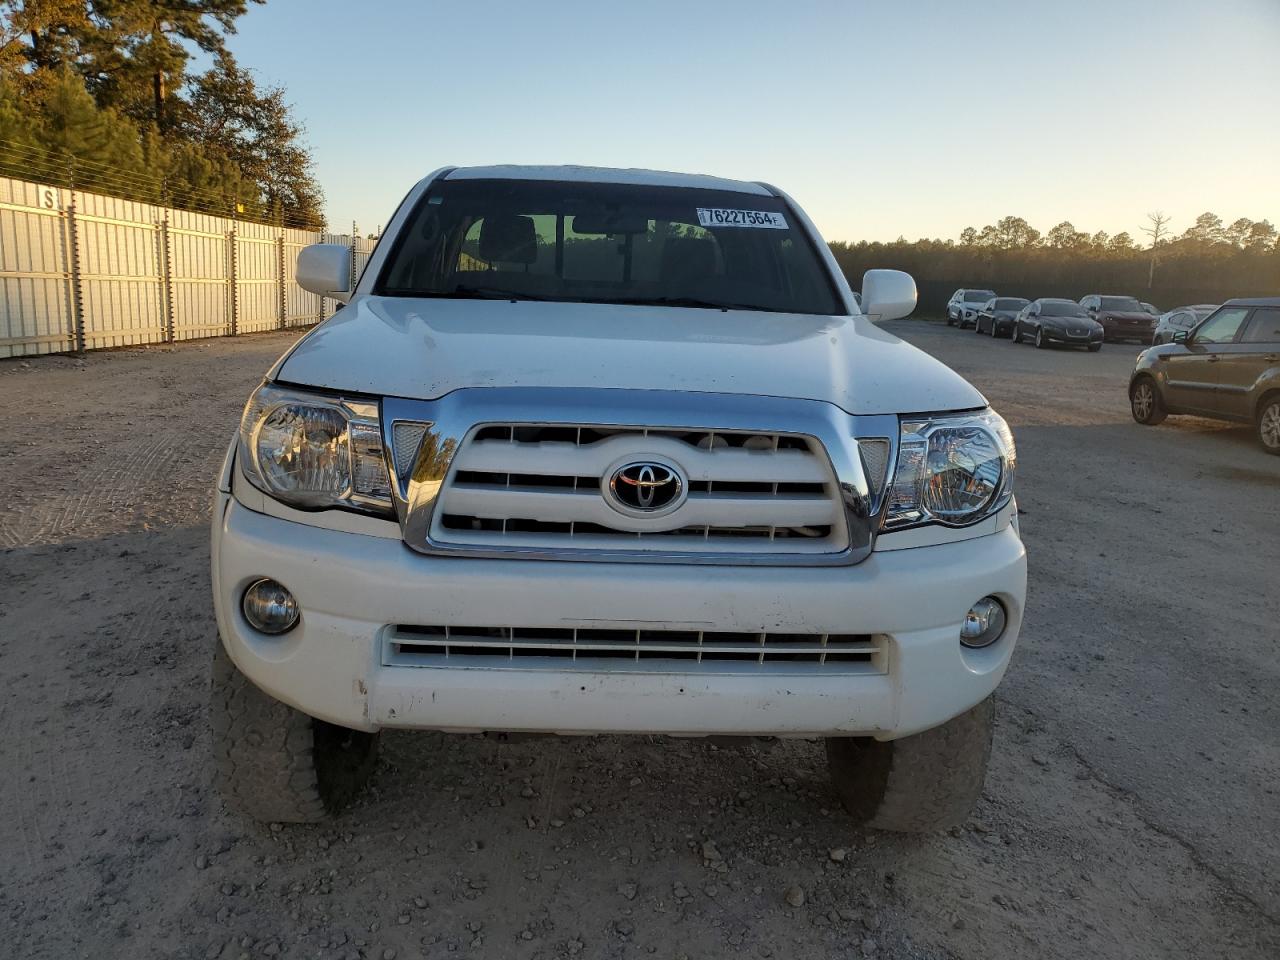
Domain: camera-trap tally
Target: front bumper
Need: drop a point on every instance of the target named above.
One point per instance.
(352, 587)
(1122, 331)
(1063, 339)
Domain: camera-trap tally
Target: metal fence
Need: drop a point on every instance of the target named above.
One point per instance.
(82, 271)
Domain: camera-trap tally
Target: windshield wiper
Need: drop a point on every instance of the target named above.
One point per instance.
(464, 292)
(490, 293)
(686, 302)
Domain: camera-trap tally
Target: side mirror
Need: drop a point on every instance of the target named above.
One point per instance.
(325, 268)
(888, 294)
(1180, 336)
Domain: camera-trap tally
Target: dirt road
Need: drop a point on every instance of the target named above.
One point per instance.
(1131, 810)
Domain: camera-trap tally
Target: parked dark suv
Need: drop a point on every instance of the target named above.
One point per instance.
(1227, 367)
(1122, 318)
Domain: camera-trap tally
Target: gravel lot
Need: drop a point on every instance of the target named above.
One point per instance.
(1131, 809)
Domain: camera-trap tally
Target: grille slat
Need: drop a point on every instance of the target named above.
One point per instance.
(410, 645)
(530, 486)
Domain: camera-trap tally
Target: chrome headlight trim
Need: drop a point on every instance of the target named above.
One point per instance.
(934, 451)
(363, 481)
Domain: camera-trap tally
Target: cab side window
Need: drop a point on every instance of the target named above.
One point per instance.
(1223, 326)
(1264, 327)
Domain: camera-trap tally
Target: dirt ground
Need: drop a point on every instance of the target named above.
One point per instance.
(1130, 811)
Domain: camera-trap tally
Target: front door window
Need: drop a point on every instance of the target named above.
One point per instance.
(1222, 327)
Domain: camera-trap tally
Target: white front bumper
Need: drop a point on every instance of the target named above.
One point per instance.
(351, 587)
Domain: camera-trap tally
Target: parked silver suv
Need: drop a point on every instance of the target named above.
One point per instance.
(964, 305)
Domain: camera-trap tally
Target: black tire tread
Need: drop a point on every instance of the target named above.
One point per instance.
(919, 784)
(274, 763)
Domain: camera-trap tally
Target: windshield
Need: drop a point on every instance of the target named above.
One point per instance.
(978, 296)
(1062, 308)
(1122, 304)
(608, 243)
(1010, 303)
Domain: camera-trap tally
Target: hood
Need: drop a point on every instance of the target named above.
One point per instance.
(424, 349)
(1126, 315)
(1070, 323)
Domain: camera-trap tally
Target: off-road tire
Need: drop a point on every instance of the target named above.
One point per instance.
(274, 763)
(1151, 413)
(919, 784)
(1268, 425)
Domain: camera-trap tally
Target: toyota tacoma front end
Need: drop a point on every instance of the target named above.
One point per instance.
(612, 451)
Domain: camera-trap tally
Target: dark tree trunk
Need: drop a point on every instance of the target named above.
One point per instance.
(157, 87)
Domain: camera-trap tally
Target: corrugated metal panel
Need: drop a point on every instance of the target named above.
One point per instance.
(36, 313)
(144, 273)
(257, 277)
(301, 308)
(121, 274)
(200, 274)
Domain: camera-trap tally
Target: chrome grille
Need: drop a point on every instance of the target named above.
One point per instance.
(541, 486)
(443, 645)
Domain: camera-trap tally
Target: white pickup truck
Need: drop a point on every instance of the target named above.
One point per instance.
(611, 451)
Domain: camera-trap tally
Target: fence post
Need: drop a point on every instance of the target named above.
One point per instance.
(234, 293)
(166, 270)
(283, 299)
(77, 293)
(354, 234)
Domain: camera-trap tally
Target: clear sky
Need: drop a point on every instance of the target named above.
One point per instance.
(881, 117)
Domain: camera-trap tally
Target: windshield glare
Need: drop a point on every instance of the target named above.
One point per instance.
(1122, 304)
(1010, 304)
(608, 243)
(978, 296)
(1062, 309)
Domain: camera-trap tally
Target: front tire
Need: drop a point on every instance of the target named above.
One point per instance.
(922, 783)
(1145, 403)
(1040, 341)
(1016, 337)
(1269, 425)
(276, 764)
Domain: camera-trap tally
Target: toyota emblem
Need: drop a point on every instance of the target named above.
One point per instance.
(645, 487)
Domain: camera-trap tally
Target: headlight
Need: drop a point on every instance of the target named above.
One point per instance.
(952, 470)
(314, 451)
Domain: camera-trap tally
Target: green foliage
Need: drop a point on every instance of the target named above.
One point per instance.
(98, 92)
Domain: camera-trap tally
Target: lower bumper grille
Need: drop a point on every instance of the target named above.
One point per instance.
(409, 645)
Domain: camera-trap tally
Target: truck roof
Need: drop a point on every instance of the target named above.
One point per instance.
(630, 175)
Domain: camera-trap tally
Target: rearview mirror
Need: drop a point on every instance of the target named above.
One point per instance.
(888, 294)
(325, 268)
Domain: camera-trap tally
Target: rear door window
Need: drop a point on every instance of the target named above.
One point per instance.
(1264, 327)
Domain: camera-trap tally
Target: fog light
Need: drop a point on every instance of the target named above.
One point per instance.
(983, 624)
(270, 607)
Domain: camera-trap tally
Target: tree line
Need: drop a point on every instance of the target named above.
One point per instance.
(1209, 261)
(102, 95)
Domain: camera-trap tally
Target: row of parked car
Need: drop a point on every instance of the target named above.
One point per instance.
(1089, 322)
(1207, 360)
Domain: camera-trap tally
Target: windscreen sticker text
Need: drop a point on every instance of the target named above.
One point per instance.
(719, 217)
